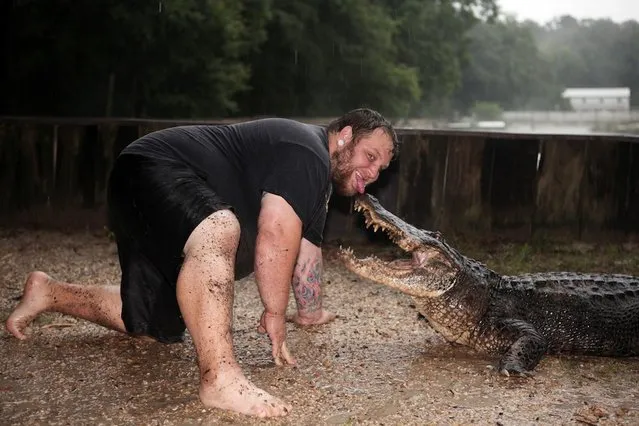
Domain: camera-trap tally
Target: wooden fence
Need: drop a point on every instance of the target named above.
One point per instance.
(53, 173)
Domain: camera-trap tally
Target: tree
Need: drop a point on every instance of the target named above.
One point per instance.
(325, 56)
(505, 66)
(165, 58)
(432, 39)
(523, 65)
(628, 57)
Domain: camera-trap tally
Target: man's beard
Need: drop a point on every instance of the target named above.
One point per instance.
(342, 170)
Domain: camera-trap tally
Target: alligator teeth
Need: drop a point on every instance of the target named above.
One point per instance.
(347, 250)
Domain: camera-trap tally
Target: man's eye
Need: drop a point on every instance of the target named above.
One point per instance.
(371, 157)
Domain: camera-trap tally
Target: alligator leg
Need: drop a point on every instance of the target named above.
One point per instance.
(526, 350)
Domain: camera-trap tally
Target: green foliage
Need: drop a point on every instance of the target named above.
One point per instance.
(592, 53)
(431, 38)
(325, 56)
(167, 58)
(503, 67)
(523, 65)
(215, 58)
(486, 111)
(218, 58)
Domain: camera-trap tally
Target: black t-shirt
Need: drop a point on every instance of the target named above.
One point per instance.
(243, 160)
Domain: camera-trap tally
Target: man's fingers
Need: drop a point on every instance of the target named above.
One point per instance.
(281, 355)
(290, 360)
(275, 326)
(276, 356)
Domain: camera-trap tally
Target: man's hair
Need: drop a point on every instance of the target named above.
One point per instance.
(364, 121)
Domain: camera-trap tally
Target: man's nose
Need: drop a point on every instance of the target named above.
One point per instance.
(373, 173)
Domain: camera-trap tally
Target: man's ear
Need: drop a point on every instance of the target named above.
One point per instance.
(347, 134)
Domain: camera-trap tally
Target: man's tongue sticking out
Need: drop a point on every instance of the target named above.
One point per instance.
(360, 183)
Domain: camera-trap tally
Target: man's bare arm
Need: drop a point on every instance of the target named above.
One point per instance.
(277, 246)
(307, 286)
(307, 278)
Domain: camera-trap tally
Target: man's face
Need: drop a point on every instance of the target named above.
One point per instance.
(358, 162)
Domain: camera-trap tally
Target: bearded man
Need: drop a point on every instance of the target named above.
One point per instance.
(193, 208)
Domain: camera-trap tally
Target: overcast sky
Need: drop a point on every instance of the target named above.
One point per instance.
(543, 11)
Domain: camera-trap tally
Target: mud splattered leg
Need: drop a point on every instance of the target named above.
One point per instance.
(205, 295)
(98, 304)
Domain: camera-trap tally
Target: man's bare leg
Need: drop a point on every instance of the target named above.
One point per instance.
(205, 295)
(98, 304)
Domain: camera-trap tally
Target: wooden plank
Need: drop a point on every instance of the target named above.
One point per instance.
(629, 207)
(107, 135)
(603, 188)
(508, 184)
(454, 181)
(45, 151)
(10, 135)
(461, 187)
(152, 126)
(559, 187)
(125, 135)
(88, 155)
(30, 185)
(421, 177)
(67, 191)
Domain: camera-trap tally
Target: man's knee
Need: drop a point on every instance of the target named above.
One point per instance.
(219, 233)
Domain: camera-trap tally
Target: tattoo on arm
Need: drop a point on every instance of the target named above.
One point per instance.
(306, 282)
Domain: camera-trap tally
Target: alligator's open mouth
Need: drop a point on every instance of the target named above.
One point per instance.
(379, 220)
(426, 261)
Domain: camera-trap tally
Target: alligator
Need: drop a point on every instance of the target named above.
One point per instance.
(516, 318)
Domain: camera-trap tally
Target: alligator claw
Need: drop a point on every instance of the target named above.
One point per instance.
(516, 371)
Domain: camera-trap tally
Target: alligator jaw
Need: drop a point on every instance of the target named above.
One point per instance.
(429, 273)
(402, 274)
(403, 234)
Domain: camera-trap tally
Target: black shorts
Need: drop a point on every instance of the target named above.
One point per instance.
(154, 205)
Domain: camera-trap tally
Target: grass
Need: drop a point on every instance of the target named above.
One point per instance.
(544, 256)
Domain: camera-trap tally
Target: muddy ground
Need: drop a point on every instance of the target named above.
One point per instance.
(378, 363)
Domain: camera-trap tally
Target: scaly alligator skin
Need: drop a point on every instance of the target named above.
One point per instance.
(519, 318)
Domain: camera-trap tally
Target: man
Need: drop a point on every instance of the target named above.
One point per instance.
(193, 209)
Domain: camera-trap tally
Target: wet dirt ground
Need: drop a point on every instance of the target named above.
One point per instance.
(377, 363)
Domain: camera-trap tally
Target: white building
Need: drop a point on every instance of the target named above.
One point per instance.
(598, 99)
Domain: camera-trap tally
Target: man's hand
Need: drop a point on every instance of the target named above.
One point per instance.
(275, 326)
(313, 318)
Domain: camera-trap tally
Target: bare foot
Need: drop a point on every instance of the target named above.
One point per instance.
(36, 298)
(315, 318)
(232, 391)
